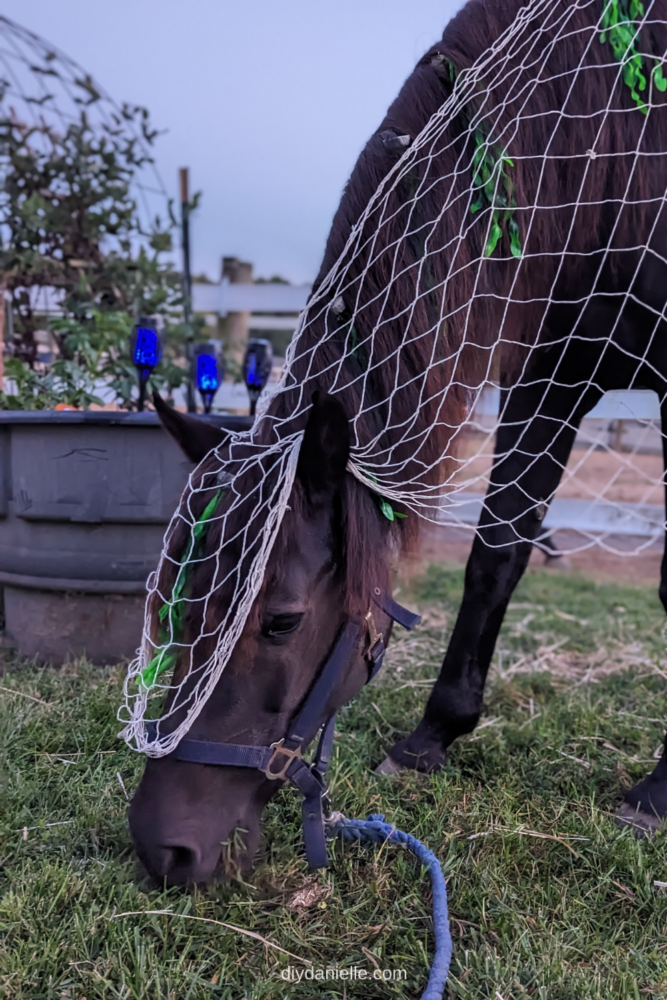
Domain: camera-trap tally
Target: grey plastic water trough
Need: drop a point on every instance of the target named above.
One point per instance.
(85, 498)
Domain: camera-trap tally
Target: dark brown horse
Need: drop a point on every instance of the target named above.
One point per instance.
(585, 309)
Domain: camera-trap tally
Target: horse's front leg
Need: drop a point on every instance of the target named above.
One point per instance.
(644, 807)
(531, 453)
(456, 701)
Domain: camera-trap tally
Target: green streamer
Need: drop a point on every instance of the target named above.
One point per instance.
(385, 507)
(494, 189)
(358, 352)
(173, 611)
(620, 30)
(492, 184)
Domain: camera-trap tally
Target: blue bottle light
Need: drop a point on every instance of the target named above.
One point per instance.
(209, 373)
(145, 351)
(251, 374)
(146, 348)
(257, 366)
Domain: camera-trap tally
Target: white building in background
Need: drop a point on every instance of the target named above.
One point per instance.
(241, 309)
(268, 299)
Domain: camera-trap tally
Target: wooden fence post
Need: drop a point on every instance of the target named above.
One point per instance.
(3, 314)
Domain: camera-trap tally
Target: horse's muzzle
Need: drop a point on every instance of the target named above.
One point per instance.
(190, 822)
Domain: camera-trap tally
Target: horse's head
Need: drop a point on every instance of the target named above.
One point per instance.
(183, 814)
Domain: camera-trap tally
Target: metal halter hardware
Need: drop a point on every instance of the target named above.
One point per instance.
(279, 749)
(283, 760)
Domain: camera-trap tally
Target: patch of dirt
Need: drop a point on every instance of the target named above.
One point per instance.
(592, 472)
(452, 546)
(620, 476)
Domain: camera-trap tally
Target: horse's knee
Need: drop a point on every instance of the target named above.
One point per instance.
(662, 591)
(496, 563)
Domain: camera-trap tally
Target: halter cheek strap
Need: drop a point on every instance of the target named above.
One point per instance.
(283, 760)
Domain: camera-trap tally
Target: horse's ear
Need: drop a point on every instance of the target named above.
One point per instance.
(325, 448)
(195, 437)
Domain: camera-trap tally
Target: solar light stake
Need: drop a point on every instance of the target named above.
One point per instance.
(183, 175)
(209, 373)
(257, 366)
(145, 351)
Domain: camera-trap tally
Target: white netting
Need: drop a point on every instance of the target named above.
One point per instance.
(506, 226)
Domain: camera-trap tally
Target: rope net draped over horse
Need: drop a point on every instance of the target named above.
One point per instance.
(505, 226)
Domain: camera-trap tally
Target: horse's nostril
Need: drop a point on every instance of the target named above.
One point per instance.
(178, 864)
(184, 858)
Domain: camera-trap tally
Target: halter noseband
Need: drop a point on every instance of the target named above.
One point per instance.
(283, 760)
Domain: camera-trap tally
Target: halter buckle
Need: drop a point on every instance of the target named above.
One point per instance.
(375, 638)
(279, 749)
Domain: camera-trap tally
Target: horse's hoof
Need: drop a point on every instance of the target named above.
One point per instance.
(390, 767)
(416, 754)
(643, 824)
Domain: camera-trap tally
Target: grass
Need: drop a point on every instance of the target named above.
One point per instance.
(548, 898)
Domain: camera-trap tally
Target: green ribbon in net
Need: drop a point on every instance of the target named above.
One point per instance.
(492, 183)
(494, 189)
(172, 614)
(386, 508)
(620, 30)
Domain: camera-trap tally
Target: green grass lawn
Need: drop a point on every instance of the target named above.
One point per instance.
(548, 898)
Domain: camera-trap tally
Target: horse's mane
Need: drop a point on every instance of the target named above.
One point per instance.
(556, 119)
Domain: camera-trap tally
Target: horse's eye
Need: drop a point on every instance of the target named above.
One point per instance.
(279, 625)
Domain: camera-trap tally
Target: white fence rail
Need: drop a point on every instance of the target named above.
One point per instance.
(618, 404)
(588, 516)
(645, 520)
(266, 298)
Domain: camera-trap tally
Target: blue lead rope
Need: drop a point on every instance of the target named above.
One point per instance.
(375, 829)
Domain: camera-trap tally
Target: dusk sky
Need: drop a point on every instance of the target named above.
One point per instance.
(267, 102)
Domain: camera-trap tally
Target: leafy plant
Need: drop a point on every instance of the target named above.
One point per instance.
(64, 384)
(386, 508)
(98, 345)
(71, 225)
